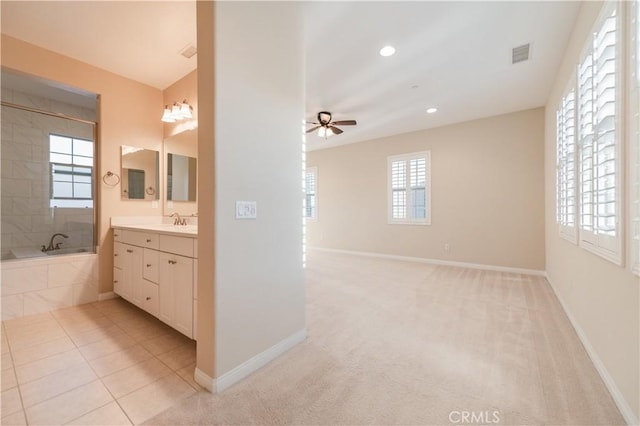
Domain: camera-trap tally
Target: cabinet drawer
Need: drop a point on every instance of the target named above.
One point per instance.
(118, 250)
(142, 239)
(117, 235)
(150, 270)
(178, 245)
(150, 299)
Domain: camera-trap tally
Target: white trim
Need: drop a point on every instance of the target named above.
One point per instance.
(618, 398)
(230, 378)
(203, 379)
(106, 296)
(536, 272)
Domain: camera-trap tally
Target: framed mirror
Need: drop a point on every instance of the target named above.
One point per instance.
(139, 173)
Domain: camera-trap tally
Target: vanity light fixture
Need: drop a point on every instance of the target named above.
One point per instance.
(177, 111)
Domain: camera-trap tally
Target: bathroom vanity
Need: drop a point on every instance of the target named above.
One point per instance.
(155, 268)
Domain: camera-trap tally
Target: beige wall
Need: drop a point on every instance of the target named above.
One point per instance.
(259, 281)
(118, 126)
(205, 361)
(487, 194)
(602, 298)
(181, 137)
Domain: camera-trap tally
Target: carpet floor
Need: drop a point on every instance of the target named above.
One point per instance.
(393, 342)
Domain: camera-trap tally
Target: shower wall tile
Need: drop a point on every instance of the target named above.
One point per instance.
(7, 168)
(16, 224)
(15, 117)
(7, 94)
(12, 306)
(30, 239)
(27, 170)
(28, 135)
(16, 151)
(31, 101)
(38, 302)
(22, 280)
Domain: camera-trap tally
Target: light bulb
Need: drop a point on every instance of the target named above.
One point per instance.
(166, 115)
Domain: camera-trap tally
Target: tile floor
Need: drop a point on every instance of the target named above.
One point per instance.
(101, 363)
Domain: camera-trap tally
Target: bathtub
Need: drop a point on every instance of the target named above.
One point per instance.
(53, 280)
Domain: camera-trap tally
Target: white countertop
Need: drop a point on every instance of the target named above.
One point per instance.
(162, 228)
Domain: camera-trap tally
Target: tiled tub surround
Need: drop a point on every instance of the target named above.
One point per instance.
(43, 284)
(28, 221)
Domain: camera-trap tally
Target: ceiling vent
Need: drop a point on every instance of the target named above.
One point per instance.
(188, 51)
(520, 53)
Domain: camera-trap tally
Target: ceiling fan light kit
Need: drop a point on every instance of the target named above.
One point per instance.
(326, 127)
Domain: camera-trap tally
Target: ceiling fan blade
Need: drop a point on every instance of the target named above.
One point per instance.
(311, 122)
(335, 130)
(345, 122)
(313, 128)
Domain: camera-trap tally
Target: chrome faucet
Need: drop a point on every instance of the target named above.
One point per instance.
(178, 220)
(51, 247)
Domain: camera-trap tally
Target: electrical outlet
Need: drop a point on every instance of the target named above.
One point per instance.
(246, 210)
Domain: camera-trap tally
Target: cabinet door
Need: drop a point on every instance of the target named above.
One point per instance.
(176, 292)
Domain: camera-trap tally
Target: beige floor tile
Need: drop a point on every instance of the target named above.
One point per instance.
(80, 324)
(70, 405)
(132, 378)
(110, 414)
(84, 338)
(28, 321)
(155, 398)
(29, 336)
(109, 345)
(38, 351)
(8, 379)
(187, 374)
(147, 331)
(11, 402)
(43, 367)
(80, 311)
(55, 384)
(7, 361)
(179, 357)
(119, 360)
(15, 419)
(3, 340)
(165, 343)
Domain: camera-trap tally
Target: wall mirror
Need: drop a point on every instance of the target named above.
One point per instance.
(140, 173)
(181, 172)
(181, 177)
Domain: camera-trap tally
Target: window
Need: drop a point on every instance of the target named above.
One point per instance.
(634, 111)
(566, 166)
(409, 188)
(71, 167)
(311, 203)
(599, 139)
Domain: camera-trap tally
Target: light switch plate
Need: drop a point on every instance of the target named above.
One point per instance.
(246, 210)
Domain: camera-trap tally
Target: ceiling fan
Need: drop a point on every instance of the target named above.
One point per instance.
(326, 127)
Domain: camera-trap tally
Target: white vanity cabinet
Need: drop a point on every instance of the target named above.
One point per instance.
(156, 273)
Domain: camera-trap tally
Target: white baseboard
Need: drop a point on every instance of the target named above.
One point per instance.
(243, 370)
(617, 396)
(203, 379)
(106, 296)
(436, 261)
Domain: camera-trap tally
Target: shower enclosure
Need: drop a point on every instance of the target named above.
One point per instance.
(48, 169)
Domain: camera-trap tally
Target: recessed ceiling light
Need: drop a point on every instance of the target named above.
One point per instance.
(387, 51)
(431, 110)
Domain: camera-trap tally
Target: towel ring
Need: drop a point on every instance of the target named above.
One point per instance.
(110, 175)
(150, 190)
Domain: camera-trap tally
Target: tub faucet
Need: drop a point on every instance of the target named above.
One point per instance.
(178, 220)
(51, 247)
